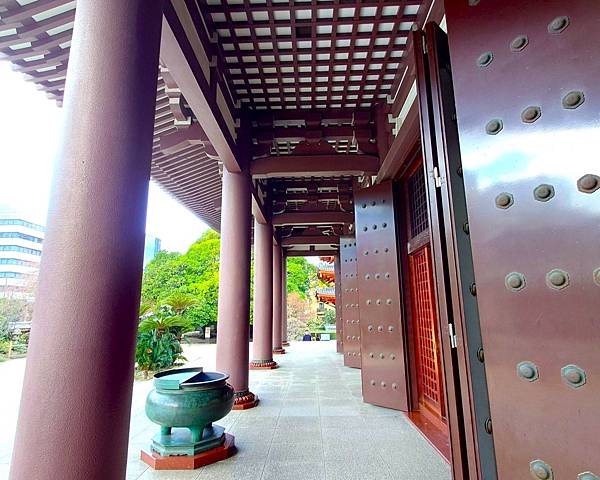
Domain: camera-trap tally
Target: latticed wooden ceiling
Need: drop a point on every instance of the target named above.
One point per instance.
(307, 54)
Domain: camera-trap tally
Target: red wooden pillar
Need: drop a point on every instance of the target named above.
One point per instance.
(277, 302)
(284, 322)
(262, 343)
(76, 401)
(233, 333)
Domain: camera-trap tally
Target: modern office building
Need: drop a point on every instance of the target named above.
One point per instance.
(151, 248)
(20, 253)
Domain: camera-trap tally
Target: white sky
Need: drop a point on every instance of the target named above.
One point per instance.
(30, 127)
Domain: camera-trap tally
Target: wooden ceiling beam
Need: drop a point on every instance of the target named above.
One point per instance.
(310, 240)
(314, 166)
(312, 218)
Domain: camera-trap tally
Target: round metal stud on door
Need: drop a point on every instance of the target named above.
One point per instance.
(543, 192)
(573, 376)
(573, 99)
(558, 25)
(596, 275)
(540, 470)
(589, 183)
(494, 127)
(504, 200)
(519, 43)
(485, 59)
(587, 476)
(528, 371)
(531, 114)
(488, 426)
(515, 281)
(557, 279)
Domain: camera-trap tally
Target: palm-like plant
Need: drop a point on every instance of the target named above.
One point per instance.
(180, 302)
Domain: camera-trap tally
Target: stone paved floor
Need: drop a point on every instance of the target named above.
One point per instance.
(311, 423)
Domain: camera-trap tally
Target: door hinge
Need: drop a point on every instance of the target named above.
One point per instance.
(452, 335)
(437, 178)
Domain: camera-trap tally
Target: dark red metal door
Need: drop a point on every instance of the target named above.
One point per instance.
(350, 309)
(382, 330)
(467, 405)
(339, 324)
(527, 102)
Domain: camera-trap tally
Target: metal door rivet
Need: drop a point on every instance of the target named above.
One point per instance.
(557, 279)
(382, 356)
(393, 357)
(395, 386)
(587, 476)
(387, 275)
(391, 328)
(386, 250)
(573, 376)
(377, 276)
(366, 252)
(369, 302)
(370, 328)
(384, 225)
(367, 276)
(558, 24)
(473, 289)
(389, 301)
(504, 200)
(480, 355)
(465, 227)
(515, 281)
(573, 99)
(493, 127)
(528, 371)
(373, 203)
(531, 114)
(485, 59)
(373, 382)
(379, 301)
(519, 43)
(380, 328)
(541, 470)
(588, 183)
(383, 385)
(375, 251)
(371, 355)
(488, 425)
(374, 227)
(364, 205)
(543, 192)
(596, 275)
(365, 229)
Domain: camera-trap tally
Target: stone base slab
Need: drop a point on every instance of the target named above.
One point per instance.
(245, 402)
(279, 351)
(190, 462)
(285, 344)
(263, 365)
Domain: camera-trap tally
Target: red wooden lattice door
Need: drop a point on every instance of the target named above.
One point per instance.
(426, 336)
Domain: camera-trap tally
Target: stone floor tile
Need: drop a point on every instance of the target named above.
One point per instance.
(294, 471)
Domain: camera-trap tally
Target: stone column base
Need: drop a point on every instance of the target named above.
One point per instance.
(263, 365)
(245, 400)
(278, 351)
(190, 462)
(285, 344)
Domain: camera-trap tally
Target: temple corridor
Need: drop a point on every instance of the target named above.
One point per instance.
(310, 424)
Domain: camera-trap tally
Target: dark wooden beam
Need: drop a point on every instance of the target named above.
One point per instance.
(310, 240)
(314, 166)
(310, 253)
(312, 218)
(402, 147)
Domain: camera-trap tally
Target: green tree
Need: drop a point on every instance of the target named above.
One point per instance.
(301, 276)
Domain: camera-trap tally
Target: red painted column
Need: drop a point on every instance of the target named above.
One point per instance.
(262, 351)
(75, 406)
(284, 323)
(233, 332)
(277, 302)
